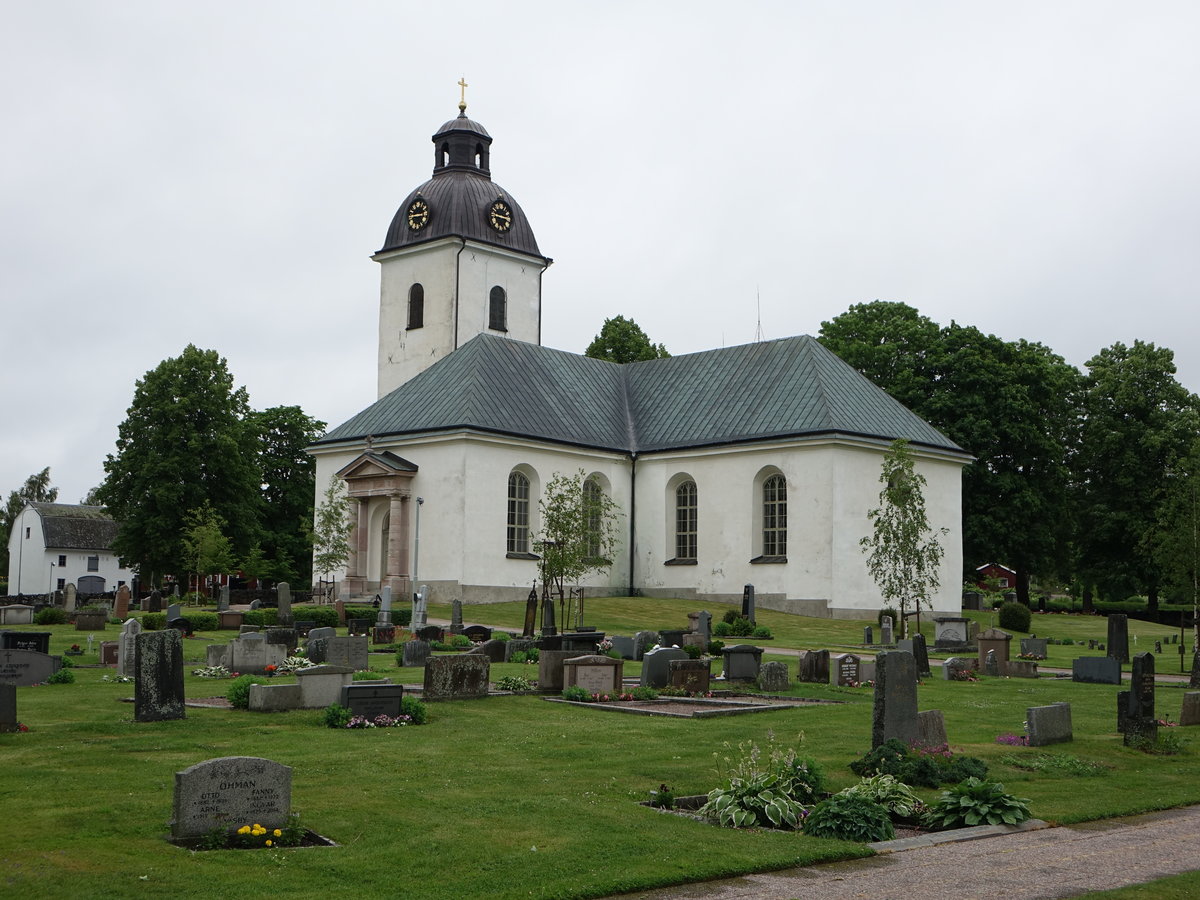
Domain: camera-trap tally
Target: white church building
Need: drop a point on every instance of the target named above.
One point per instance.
(754, 464)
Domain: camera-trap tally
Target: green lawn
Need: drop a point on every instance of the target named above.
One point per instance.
(507, 797)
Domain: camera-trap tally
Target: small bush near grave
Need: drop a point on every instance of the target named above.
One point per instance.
(1168, 743)
(415, 709)
(238, 694)
(320, 616)
(888, 611)
(731, 616)
(261, 617)
(459, 642)
(577, 694)
(920, 768)
(644, 693)
(1015, 617)
(693, 651)
(894, 796)
(154, 621)
(715, 648)
(505, 636)
(976, 802)
(762, 631)
(203, 621)
(50, 616)
(518, 684)
(365, 675)
(249, 837)
(66, 663)
(62, 676)
(336, 716)
(529, 656)
(741, 627)
(849, 817)
(767, 790)
(722, 629)
(292, 664)
(1055, 764)
(663, 798)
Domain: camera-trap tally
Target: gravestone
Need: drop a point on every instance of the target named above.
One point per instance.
(1190, 713)
(158, 676)
(693, 639)
(26, 667)
(517, 645)
(997, 640)
(155, 602)
(256, 603)
(773, 677)
(16, 614)
(1031, 646)
(1041, 604)
(971, 601)
(339, 606)
(70, 598)
(285, 637)
(383, 635)
(91, 621)
(125, 647)
(1049, 724)
(321, 686)
(1158, 646)
(8, 708)
(1118, 637)
(304, 626)
(1092, 644)
(950, 632)
(693, 675)
(415, 654)
(991, 665)
(493, 650)
(322, 633)
(456, 678)
(349, 651)
(895, 710)
(886, 628)
(955, 665)
(1194, 680)
(478, 633)
(671, 637)
(622, 645)
(37, 641)
(174, 611)
(230, 792)
(121, 608)
(550, 669)
(595, 674)
(182, 625)
(456, 620)
(931, 729)
(920, 655)
(359, 627)
(316, 650)
(813, 667)
(109, 651)
(1140, 721)
(1021, 668)
(748, 603)
(844, 670)
(656, 666)
(642, 642)
(704, 626)
(741, 662)
(420, 605)
(371, 700)
(223, 599)
(1096, 670)
(230, 620)
(385, 609)
(868, 636)
(430, 632)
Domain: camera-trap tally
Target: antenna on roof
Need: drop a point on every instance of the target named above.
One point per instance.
(758, 332)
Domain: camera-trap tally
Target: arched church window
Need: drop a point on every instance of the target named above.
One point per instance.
(498, 309)
(685, 521)
(416, 306)
(593, 519)
(774, 520)
(518, 513)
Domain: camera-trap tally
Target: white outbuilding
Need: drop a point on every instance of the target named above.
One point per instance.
(52, 545)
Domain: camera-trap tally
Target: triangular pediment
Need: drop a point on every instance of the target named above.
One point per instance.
(374, 464)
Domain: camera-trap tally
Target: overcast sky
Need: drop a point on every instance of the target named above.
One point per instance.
(220, 173)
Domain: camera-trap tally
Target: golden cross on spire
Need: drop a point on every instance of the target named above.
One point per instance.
(462, 102)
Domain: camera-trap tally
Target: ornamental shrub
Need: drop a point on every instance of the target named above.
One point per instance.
(50, 616)
(741, 627)
(1015, 617)
(415, 709)
(154, 621)
(459, 641)
(731, 616)
(518, 684)
(722, 629)
(238, 694)
(849, 817)
(693, 651)
(323, 616)
(202, 621)
(975, 802)
(762, 631)
(715, 648)
(577, 694)
(62, 676)
(917, 767)
(894, 796)
(644, 692)
(889, 611)
(336, 715)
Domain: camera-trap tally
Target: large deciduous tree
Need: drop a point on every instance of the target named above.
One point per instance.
(185, 442)
(36, 489)
(903, 552)
(1138, 424)
(288, 487)
(1175, 540)
(621, 340)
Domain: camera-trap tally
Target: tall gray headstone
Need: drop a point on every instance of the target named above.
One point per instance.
(456, 620)
(813, 666)
(895, 713)
(385, 606)
(704, 625)
(1194, 680)
(69, 598)
(420, 604)
(283, 616)
(1139, 716)
(223, 599)
(773, 677)
(158, 676)
(1189, 714)
(886, 629)
(748, 602)
(174, 611)
(656, 666)
(1118, 637)
(126, 649)
(991, 665)
(155, 602)
(415, 654)
(920, 654)
(868, 636)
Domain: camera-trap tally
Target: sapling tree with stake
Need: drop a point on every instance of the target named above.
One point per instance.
(331, 530)
(903, 552)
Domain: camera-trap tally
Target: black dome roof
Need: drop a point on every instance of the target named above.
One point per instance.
(460, 195)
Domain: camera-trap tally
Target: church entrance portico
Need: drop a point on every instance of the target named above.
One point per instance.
(379, 485)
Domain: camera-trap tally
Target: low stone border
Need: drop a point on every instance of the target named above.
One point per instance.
(973, 833)
(693, 707)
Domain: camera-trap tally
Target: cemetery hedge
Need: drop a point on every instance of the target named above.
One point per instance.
(510, 796)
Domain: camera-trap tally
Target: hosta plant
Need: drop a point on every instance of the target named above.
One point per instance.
(975, 802)
(894, 796)
(848, 817)
(747, 803)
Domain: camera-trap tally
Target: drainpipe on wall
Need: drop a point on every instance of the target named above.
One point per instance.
(457, 279)
(539, 304)
(632, 520)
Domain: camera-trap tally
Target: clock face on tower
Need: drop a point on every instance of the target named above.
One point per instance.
(500, 216)
(418, 215)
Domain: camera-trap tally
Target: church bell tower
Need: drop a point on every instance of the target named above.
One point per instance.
(459, 260)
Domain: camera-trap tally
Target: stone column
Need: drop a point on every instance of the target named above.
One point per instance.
(355, 581)
(397, 549)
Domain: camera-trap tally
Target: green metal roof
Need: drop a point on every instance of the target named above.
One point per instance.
(771, 389)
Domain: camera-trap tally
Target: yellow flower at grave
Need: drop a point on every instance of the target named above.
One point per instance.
(245, 829)
(277, 833)
(268, 843)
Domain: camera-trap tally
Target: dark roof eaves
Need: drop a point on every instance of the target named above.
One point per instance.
(460, 237)
(794, 435)
(353, 442)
